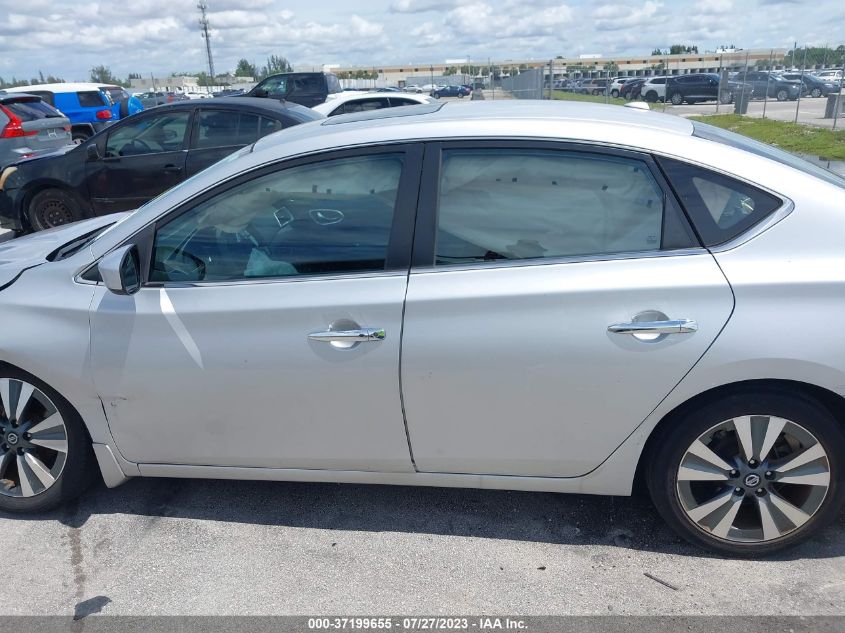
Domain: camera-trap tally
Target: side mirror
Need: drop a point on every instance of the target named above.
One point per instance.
(93, 152)
(121, 270)
(260, 92)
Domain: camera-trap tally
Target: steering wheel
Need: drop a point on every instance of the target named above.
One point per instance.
(181, 266)
(137, 143)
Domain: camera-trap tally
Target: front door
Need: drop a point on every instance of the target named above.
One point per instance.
(268, 331)
(518, 356)
(140, 158)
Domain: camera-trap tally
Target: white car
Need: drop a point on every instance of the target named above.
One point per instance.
(654, 89)
(347, 102)
(616, 85)
(829, 75)
(416, 89)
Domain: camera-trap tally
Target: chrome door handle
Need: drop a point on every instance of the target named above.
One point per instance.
(363, 334)
(680, 326)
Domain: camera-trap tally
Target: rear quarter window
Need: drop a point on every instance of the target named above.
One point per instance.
(32, 110)
(91, 99)
(721, 208)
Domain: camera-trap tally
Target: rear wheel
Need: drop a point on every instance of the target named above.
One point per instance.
(51, 208)
(816, 92)
(782, 95)
(725, 98)
(651, 96)
(614, 93)
(45, 454)
(749, 475)
(677, 98)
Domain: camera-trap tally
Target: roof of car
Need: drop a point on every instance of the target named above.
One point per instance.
(263, 103)
(59, 87)
(491, 119)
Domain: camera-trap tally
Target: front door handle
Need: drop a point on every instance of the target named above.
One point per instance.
(679, 326)
(172, 169)
(361, 335)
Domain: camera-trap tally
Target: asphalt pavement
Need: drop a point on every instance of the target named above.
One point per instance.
(185, 547)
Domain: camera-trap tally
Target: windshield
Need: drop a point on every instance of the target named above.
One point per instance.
(713, 133)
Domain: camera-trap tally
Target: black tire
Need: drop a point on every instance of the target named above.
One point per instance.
(52, 207)
(677, 98)
(79, 136)
(651, 96)
(614, 93)
(436, 96)
(782, 95)
(79, 468)
(816, 92)
(661, 472)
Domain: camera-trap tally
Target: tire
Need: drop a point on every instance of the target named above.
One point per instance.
(782, 95)
(436, 96)
(805, 424)
(725, 98)
(677, 98)
(72, 469)
(52, 207)
(651, 96)
(79, 136)
(816, 92)
(614, 93)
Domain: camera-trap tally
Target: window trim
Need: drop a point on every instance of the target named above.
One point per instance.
(423, 255)
(397, 260)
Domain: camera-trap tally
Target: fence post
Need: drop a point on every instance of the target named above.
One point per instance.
(801, 87)
(839, 96)
(768, 79)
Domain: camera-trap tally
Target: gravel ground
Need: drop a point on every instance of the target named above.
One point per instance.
(181, 547)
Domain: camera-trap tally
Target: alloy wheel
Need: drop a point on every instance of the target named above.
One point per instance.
(752, 479)
(33, 440)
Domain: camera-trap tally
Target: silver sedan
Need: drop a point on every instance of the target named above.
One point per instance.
(530, 296)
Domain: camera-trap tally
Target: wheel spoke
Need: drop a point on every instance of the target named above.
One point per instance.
(51, 422)
(5, 398)
(25, 478)
(809, 479)
(743, 434)
(23, 399)
(811, 454)
(699, 449)
(54, 444)
(724, 525)
(5, 459)
(706, 509)
(773, 431)
(796, 515)
(41, 471)
(701, 473)
(770, 528)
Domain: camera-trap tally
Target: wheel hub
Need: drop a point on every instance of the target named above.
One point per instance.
(12, 439)
(752, 480)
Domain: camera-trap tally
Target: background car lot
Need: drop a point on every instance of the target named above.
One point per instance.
(224, 547)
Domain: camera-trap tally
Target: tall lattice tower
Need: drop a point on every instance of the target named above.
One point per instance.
(203, 7)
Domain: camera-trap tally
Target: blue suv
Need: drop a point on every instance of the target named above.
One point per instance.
(85, 104)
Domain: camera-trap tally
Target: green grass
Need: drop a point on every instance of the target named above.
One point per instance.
(571, 96)
(791, 137)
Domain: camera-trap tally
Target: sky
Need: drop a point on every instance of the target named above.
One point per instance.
(66, 38)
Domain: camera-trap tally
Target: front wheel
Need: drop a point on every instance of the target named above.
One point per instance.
(750, 474)
(51, 208)
(782, 95)
(725, 98)
(651, 96)
(816, 92)
(677, 98)
(614, 93)
(45, 454)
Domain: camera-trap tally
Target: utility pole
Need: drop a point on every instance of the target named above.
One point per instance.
(203, 7)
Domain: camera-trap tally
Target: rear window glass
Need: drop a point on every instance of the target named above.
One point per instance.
(224, 128)
(721, 208)
(92, 99)
(725, 137)
(32, 110)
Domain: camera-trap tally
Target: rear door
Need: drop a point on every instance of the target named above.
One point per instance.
(140, 158)
(533, 265)
(217, 132)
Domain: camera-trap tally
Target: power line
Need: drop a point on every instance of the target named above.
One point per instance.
(203, 7)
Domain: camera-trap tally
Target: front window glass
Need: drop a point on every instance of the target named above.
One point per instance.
(532, 204)
(274, 86)
(153, 134)
(323, 218)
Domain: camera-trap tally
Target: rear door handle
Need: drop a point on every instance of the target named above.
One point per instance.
(362, 335)
(172, 169)
(680, 326)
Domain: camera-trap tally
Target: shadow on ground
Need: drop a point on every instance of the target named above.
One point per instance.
(625, 522)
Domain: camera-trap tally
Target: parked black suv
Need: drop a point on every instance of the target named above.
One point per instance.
(697, 87)
(137, 158)
(308, 89)
(772, 84)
